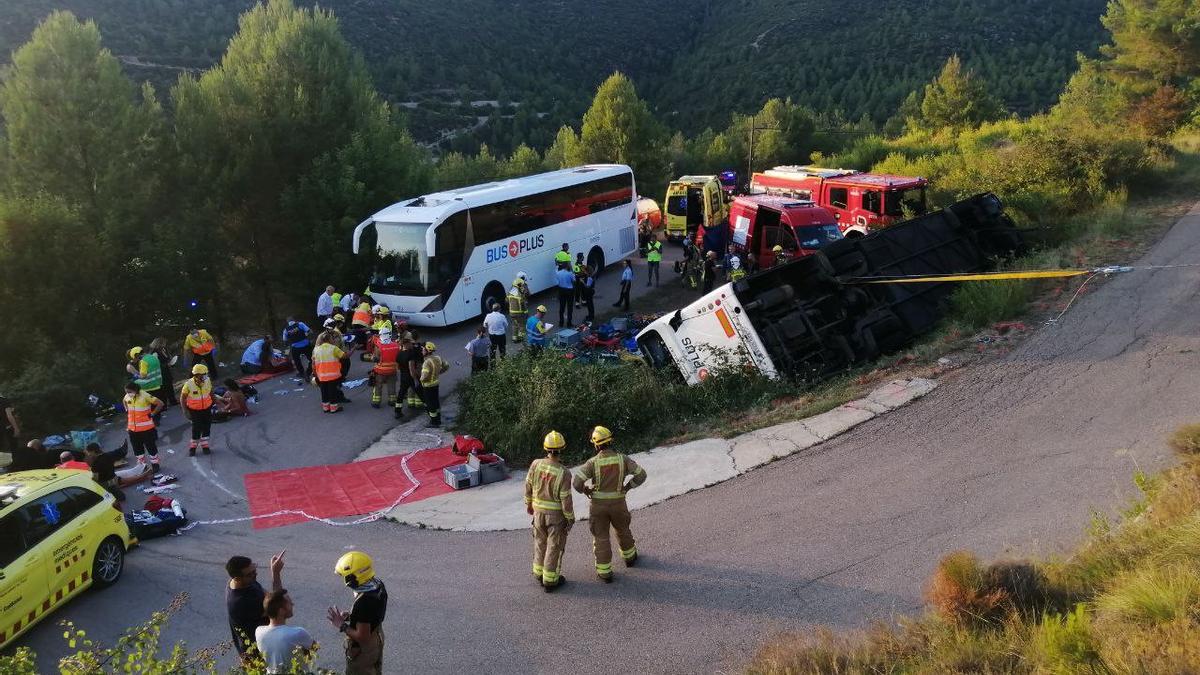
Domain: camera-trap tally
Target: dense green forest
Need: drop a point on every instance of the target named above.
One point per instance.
(532, 65)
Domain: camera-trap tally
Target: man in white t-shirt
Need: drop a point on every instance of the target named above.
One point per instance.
(497, 328)
(280, 643)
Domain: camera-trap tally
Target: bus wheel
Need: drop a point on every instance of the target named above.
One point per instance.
(595, 260)
(492, 294)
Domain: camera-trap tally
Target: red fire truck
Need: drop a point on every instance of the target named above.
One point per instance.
(859, 201)
(759, 223)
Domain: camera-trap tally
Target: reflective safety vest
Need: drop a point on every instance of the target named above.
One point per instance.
(607, 471)
(151, 373)
(137, 409)
(654, 252)
(204, 345)
(516, 301)
(735, 275)
(562, 257)
(535, 332)
(381, 324)
(548, 487)
(337, 299)
(326, 362)
(430, 370)
(362, 315)
(197, 396)
(388, 354)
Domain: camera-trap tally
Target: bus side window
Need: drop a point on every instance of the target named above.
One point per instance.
(447, 262)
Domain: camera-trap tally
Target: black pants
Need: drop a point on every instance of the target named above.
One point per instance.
(499, 344)
(433, 403)
(330, 393)
(589, 301)
(652, 271)
(145, 443)
(297, 354)
(478, 364)
(208, 360)
(624, 298)
(565, 308)
(251, 368)
(201, 423)
(168, 381)
(407, 385)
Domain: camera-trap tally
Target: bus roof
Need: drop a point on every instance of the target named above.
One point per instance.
(431, 207)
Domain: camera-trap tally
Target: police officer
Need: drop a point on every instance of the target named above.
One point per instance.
(606, 471)
(363, 624)
(548, 500)
(653, 260)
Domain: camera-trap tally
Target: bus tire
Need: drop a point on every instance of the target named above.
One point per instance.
(595, 260)
(493, 293)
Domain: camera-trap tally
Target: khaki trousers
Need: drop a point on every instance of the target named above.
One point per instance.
(605, 514)
(549, 542)
(367, 658)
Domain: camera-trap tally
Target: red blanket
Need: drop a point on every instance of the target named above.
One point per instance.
(338, 490)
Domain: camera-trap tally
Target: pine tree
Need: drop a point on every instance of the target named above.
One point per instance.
(957, 98)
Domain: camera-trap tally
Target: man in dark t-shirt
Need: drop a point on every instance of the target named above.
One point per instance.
(244, 598)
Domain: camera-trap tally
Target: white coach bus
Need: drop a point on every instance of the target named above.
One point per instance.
(446, 257)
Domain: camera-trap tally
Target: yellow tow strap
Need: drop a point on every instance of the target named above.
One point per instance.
(984, 276)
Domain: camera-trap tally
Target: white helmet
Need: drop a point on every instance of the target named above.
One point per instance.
(385, 335)
(522, 275)
(330, 323)
(376, 308)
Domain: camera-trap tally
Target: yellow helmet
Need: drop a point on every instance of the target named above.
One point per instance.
(541, 308)
(777, 249)
(430, 347)
(135, 352)
(199, 369)
(601, 436)
(355, 568)
(554, 442)
(384, 310)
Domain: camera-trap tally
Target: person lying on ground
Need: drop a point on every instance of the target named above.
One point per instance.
(233, 401)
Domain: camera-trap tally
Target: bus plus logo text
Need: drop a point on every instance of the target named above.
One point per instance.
(515, 248)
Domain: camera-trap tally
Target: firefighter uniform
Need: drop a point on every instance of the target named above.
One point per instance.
(607, 471)
(518, 308)
(548, 500)
(431, 371)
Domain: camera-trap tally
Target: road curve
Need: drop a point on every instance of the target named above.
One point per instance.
(1006, 458)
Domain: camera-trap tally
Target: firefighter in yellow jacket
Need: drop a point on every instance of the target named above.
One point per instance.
(548, 500)
(606, 471)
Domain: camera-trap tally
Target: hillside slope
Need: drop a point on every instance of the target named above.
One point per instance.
(695, 60)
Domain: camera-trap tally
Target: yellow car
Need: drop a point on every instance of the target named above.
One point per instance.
(60, 532)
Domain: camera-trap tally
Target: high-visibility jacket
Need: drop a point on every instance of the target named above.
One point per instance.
(138, 409)
(433, 366)
(548, 488)
(150, 373)
(607, 471)
(562, 257)
(654, 252)
(337, 300)
(516, 300)
(202, 345)
(380, 324)
(387, 354)
(326, 362)
(362, 315)
(737, 274)
(535, 332)
(196, 396)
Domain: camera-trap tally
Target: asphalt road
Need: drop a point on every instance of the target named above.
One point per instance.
(1006, 458)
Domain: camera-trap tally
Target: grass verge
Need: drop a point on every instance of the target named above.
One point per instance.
(1128, 600)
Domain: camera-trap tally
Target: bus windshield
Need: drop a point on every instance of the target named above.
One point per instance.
(401, 260)
(816, 236)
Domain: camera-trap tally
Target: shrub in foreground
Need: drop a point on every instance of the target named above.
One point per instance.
(513, 406)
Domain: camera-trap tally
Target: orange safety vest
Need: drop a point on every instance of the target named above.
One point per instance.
(204, 347)
(197, 396)
(362, 315)
(388, 353)
(138, 410)
(326, 361)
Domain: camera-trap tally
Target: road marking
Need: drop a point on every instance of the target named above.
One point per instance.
(212, 478)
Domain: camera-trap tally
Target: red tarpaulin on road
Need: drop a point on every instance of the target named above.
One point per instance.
(337, 490)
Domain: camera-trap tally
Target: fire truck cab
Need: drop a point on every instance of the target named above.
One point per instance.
(759, 223)
(859, 201)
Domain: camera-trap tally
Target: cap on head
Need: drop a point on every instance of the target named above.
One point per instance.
(338, 317)
(541, 308)
(554, 442)
(355, 568)
(199, 369)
